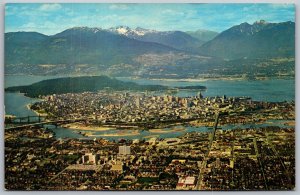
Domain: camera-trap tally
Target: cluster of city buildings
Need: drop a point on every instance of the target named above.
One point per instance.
(239, 159)
(106, 107)
(247, 158)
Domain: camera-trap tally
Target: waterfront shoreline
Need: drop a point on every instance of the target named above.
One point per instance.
(175, 129)
(119, 134)
(290, 123)
(191, 80)
(228, 78)
(78, 126)
(35, 111)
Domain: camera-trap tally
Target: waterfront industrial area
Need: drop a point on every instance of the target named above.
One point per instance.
(252, 158)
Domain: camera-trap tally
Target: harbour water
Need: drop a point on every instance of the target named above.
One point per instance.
(274, 90)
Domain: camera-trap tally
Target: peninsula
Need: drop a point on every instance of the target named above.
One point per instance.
(85, 84)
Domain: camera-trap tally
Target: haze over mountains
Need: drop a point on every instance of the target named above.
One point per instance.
(122, 50)
(203, 35)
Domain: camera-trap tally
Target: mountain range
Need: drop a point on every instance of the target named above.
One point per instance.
(259, 40)
(176, 39)
(122, 49)
(80, 45)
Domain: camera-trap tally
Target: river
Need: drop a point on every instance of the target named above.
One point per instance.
(273, 90)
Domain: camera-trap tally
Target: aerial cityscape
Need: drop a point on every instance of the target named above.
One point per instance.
(149, 97)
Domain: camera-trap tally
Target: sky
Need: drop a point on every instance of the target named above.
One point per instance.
(50, 19)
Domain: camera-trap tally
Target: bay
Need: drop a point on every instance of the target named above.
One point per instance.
(272, 90)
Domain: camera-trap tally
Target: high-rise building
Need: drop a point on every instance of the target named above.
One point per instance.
(199, 95)
(90, 158)
(170, 99)
(137, 102)
(166, 98)
(218, 163)
(231, 163)
(184, 102)
(118, 166)
(124, 150)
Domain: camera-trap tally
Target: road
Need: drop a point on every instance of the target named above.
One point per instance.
(204, 162)
(259, 161)
(269, 142)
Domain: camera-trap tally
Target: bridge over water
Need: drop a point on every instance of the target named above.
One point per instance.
(24, 120)
(53, 122)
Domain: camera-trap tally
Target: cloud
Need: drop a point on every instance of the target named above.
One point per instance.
(47, 27)
(50, 7)
(281, 5)
(118, 7)
(29, 25)
(169, 12)
(10, 10)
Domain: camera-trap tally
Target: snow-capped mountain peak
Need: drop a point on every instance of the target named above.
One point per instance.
(143, 31)
(85, 28)
(120, 30)
(125, 30)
